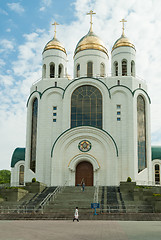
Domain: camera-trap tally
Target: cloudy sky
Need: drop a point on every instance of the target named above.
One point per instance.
(25, 28)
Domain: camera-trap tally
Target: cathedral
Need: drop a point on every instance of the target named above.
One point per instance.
(95, 126)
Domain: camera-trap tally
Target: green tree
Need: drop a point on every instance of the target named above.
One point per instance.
(5, 176)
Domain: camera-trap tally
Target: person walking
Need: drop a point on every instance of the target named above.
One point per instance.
(76, 215)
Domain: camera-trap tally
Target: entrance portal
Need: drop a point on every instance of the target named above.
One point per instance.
(84, 170)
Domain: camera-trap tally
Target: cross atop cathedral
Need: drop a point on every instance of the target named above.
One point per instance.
(55, 23)
(123, 26)
(91, 13)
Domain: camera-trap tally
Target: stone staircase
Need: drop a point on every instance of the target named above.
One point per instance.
(113, 201)
(70, 198)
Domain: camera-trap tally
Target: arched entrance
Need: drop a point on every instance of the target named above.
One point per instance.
(84, 170)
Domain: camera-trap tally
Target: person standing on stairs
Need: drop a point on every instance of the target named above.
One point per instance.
(83, 184)
(76, 215)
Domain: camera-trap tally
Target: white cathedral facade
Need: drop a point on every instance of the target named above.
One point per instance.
(95, 126)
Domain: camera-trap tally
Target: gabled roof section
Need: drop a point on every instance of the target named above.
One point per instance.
(18, 155)
(156, 152)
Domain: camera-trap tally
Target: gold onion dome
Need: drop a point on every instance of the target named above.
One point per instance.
(54, 44)
(123, 41)
(90, 41)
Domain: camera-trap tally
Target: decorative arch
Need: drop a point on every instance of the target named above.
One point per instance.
(116, 68)
(60, 71)
(90, 69)
(124, 67)
(44, 71)
(102, 69)
(33, 134)
(78, 70)
(86, 107)
(52, 70)
(141, 129)
(83, 157)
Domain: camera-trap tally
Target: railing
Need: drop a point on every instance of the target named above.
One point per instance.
(128, 209)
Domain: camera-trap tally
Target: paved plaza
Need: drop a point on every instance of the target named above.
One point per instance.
(84, 230)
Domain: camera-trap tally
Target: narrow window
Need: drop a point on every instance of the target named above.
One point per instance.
(54, 114)
(118, 119)
(78, 70)
(118, 82)
(133, 68)
(52, 70)
(116, 68)
(60, 71)
(102, 70)
(33, 135)
(89, 69)
(44, 71)
(157, 174)
(55, 84)
(141, 126)
(54, 120)
(118, 106)
(54, 108)
(124, 68)
(21, 175)
(118, 113)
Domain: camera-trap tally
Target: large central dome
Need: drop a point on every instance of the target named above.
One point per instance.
(90, 41)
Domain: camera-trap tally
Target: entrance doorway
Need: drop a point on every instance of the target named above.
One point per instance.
(84, 170)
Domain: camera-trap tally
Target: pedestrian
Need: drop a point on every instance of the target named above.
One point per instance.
(76, 215)
(83, 184)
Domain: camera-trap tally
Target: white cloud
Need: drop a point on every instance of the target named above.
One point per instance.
(16, 7)
(45, 4)
(3, 12)
(6, 45)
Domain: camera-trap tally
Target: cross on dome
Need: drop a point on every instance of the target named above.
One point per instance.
(55, 23)
(123, 26)
(91, 13)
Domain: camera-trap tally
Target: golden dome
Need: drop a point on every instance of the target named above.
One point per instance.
(123, 41)
(90, 41)
(54, 44)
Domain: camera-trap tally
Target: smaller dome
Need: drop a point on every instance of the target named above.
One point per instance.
(123, 41)
(54, 44)
(90, 41)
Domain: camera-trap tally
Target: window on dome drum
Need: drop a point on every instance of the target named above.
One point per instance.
(21, 175)
(157, 174)
(78, 70)
(133, 68)
(33, 135)
(90, 69)
(86, 107)
(116, 68)
(44, 71)
(124, 68)
(52, 70)
(60, 71)
(118, 106)
(102, 70)
(141, 126)
(54, 108)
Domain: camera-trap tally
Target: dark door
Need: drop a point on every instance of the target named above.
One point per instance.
(84, 170)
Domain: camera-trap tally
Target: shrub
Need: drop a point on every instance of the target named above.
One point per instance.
(128, 179)
(34, 180)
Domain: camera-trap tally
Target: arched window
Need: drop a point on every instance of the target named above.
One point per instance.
(116, 68)
(86, 107)
(157, 174)
(33, 135)
(132, 68)
(52, 70)
(60, 71)
(141, 126)
(44, 71)
(124, 68)
(90, 69)
(78, 70)
(102, 70)
(21, 175)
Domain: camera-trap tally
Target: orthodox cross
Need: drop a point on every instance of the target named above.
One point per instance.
(123, 26)
(91, 13)
(55, 23)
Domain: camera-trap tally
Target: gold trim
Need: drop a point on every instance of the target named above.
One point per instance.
(54, 44)
(84, 154)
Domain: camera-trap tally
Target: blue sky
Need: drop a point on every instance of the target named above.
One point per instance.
(25, 28)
